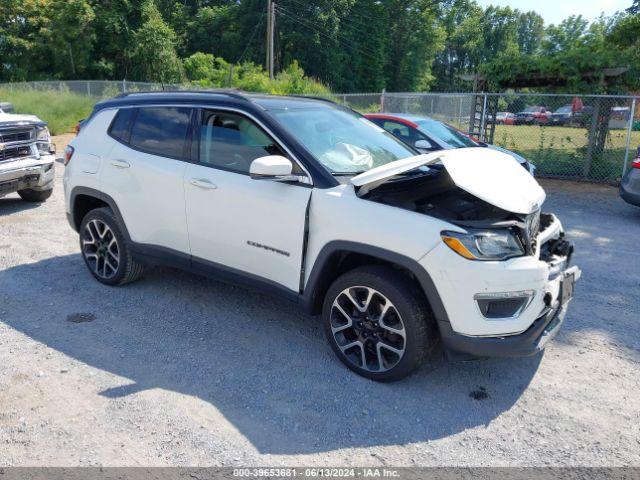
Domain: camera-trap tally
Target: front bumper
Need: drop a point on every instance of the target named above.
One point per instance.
(32, 173)
(460, 283)
(533, 340)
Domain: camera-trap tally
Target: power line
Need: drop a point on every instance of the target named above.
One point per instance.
(371, 54)
(253, 34)
(341, 19)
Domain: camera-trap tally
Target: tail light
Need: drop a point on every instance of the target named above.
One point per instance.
(636, 162)
(68, 153)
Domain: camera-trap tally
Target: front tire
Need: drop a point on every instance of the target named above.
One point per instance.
(35, 196)
(378, 323)
(105, 249)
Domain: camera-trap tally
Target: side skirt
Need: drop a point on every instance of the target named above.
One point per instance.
(160, 256)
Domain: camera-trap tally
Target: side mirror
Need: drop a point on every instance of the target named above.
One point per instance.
(423, 145)
(274, 167)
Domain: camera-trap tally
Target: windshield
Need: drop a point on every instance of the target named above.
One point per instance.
(342, 141)
(532, 109)
(565, 109)
(443, 132)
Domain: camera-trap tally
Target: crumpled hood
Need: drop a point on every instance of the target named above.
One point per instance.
(488, 174)
(16, 119)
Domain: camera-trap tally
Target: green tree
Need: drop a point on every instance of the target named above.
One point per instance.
(23, 54)
(69, 21)
(155, 58)
(565, 36)
(530, 31)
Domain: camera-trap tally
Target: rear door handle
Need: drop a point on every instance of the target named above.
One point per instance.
(120, 164)
(202, 183)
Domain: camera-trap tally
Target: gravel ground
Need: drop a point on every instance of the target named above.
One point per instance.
(180, 370)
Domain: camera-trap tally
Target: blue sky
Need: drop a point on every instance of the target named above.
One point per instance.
(554, 11)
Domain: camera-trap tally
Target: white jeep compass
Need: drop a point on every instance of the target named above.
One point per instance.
(308, 199)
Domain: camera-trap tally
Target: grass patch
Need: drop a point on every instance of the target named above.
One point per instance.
(60, 109)
(562, 151)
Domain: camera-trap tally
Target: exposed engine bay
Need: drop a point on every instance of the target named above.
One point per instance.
(434, 193)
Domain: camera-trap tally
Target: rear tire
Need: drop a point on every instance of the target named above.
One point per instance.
(36, 196)
(106, 250)
(378, 323)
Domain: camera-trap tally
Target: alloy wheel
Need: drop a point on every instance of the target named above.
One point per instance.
(368, 329)
(100, 249)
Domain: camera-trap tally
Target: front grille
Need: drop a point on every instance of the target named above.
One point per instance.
(12, 153)
(12, 135)
(15, 142)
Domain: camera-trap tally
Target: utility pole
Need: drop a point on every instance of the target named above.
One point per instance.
(271, 20)
(267, 62)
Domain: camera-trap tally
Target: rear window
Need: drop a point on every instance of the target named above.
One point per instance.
(121, 125)
(161, 130)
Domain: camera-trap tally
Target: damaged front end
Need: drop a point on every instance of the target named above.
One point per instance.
(507, 295)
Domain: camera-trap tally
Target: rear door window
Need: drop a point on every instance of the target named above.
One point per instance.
(161, 131)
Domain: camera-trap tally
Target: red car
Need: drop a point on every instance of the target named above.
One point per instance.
(533, 116)
(505, 118)
(427, 135)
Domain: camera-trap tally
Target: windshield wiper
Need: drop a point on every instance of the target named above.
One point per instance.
(348, 173)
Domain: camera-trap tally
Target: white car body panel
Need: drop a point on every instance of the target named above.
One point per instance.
(14, 118)
(378, 175)
(487, 174)
(494, 177)
(339, 214)
(256, 226)
(151, 194)
(84, 169)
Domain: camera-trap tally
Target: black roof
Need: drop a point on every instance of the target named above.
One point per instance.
(229, 97)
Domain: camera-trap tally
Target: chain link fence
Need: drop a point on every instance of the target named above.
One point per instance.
(95, 88)
(580, 137)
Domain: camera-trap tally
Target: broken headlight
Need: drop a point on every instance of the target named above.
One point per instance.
(498, 244)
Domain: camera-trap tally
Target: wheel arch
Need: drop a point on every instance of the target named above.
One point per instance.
(339, 256)
(85, 199)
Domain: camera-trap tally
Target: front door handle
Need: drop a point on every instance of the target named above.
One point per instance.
(120, 164)
(202, 183)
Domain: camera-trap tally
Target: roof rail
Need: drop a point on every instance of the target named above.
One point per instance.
(220, 91)
(311, 97)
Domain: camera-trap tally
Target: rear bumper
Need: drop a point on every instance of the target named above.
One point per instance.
(630, 187)
(34, 174)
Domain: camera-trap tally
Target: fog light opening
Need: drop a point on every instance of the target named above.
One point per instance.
(503, 305)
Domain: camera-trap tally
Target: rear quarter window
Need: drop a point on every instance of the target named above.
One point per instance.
(121, 125)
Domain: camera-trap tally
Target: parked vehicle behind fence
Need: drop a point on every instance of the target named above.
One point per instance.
(428, 135)
(397, 250)
(26, 157)
(505, 118)
(630, 184)
(532, 116)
